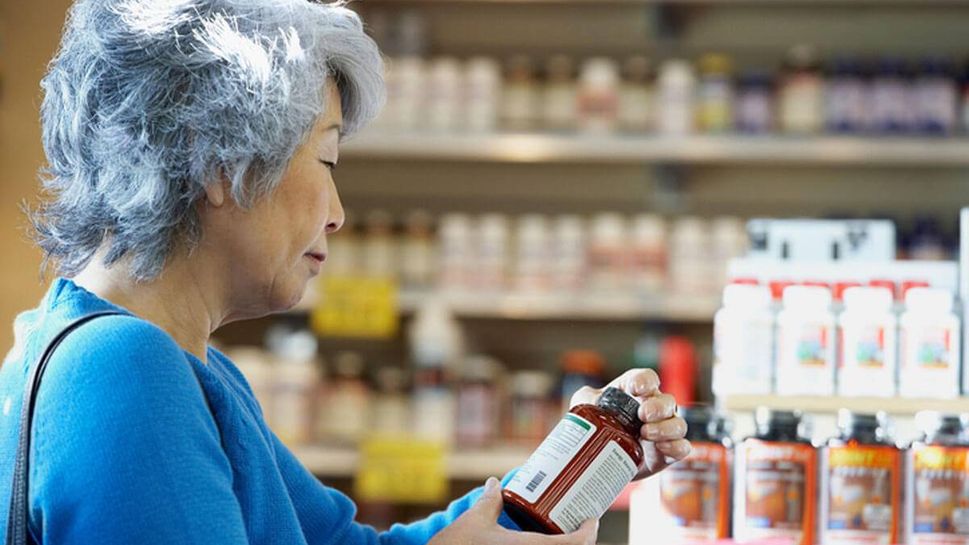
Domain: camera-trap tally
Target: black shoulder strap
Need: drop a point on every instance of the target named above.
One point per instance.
(18, 532)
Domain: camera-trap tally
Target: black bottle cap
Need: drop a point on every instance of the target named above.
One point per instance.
(624, 406)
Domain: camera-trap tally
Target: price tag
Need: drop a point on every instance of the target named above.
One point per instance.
(356, 307)
(402, 470)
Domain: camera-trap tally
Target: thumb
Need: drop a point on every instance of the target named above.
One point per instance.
(490, 503)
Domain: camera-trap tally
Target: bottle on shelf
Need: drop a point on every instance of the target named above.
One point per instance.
(937, 481)
(560, 96)
(688, 502)
(520, 95)
(598, 96)
(417, 256)
(607, 253)
(676, 89)
(805, 342)
(477, 401)
(296, 384)
(580, 368)
(445, 95)
(380, 258)
(891, 108)
(636, 96)
(936, 98)
(343, 415)
(755, 103)
(801, 93)
(436, 343)
(690, 269)
(391, 406)
(930, 345)
(568, 253)
(493, 238)
(532, 254)
(844, 98)
(775, 483)
(861, 472)
(867, 363)
(482, 94)
(743, 342)
(528, 418)
(715, 97)
(456, 258)
(648, 255)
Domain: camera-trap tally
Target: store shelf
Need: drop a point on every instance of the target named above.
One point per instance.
(511, 306)
(847, 3)
(817, 404)
(476, 464)
(537, 148)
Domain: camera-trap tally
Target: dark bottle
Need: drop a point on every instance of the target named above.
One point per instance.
(695, 493)
(775, 484)
(860, 482)
(937, 481)
(580, 468)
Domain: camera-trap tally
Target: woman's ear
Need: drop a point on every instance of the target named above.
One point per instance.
(215, 192)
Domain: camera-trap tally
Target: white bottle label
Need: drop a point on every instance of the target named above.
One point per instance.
(743, 355)
(930, 361)
(805, 359)
(551, 457)
(599, 486)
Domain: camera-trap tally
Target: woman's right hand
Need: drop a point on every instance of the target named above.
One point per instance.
(479, 526)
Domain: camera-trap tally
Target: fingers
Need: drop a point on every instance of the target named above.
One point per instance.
(677, 449)
(489, 505)
(585, 535)
(670, 429)
(657, 408)
(639, 382)
(585, 394)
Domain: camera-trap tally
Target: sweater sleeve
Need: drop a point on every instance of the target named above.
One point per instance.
(125, 448)
(327, 515)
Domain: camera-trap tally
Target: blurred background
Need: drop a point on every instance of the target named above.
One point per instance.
(554, 194)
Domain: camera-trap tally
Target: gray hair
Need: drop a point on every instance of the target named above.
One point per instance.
(148, 100)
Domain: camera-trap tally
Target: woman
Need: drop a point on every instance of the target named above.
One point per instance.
(191, 146)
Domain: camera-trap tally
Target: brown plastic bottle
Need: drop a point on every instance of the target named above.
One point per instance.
(580, 468)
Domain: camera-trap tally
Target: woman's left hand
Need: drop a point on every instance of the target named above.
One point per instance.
(663, 432)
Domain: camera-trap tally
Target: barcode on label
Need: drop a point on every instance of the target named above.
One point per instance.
(536, 480)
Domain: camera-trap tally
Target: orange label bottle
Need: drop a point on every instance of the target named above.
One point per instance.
(937, 482)
(860, 483)
(775, 486)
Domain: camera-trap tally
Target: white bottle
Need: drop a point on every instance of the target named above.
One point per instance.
(568, 247)
(607, 253)
(482, 94)
(743, 342)
(636, 96)
(805, 342)
(296, 386)
(409, 79)
(491, 267)
(599, 96)
(676, 90)
(532, 254)
(648, 255)
(444, 95)
(417, 265)
(436, 345)
(690, 265)
(929, 345)
(868, 362)
(380, 258)
(455, 252)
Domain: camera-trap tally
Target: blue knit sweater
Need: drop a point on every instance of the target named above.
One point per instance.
(137, 441)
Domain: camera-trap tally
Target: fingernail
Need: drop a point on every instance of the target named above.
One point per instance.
(491, 485)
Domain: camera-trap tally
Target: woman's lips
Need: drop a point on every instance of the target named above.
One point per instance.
(316, 261)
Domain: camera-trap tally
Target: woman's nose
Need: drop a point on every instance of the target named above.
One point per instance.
(336, 216)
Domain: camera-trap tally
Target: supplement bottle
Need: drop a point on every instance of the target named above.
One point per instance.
(937, 482)
(775, 485)
(867, 364)
(805, 342)
(929, 345)
(743, 342)
(860, 483)
(695, 493)
(580, 468)
(715, 96)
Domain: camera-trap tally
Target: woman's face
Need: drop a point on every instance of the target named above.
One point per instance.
(278, 245)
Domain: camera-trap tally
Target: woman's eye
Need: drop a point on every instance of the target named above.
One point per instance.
(329, 164)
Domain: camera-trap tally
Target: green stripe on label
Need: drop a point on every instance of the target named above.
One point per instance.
(579, 421)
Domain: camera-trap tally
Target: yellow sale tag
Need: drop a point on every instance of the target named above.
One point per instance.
(402, 470)
(356, 307)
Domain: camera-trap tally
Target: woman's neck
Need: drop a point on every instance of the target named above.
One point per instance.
(185, 304)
